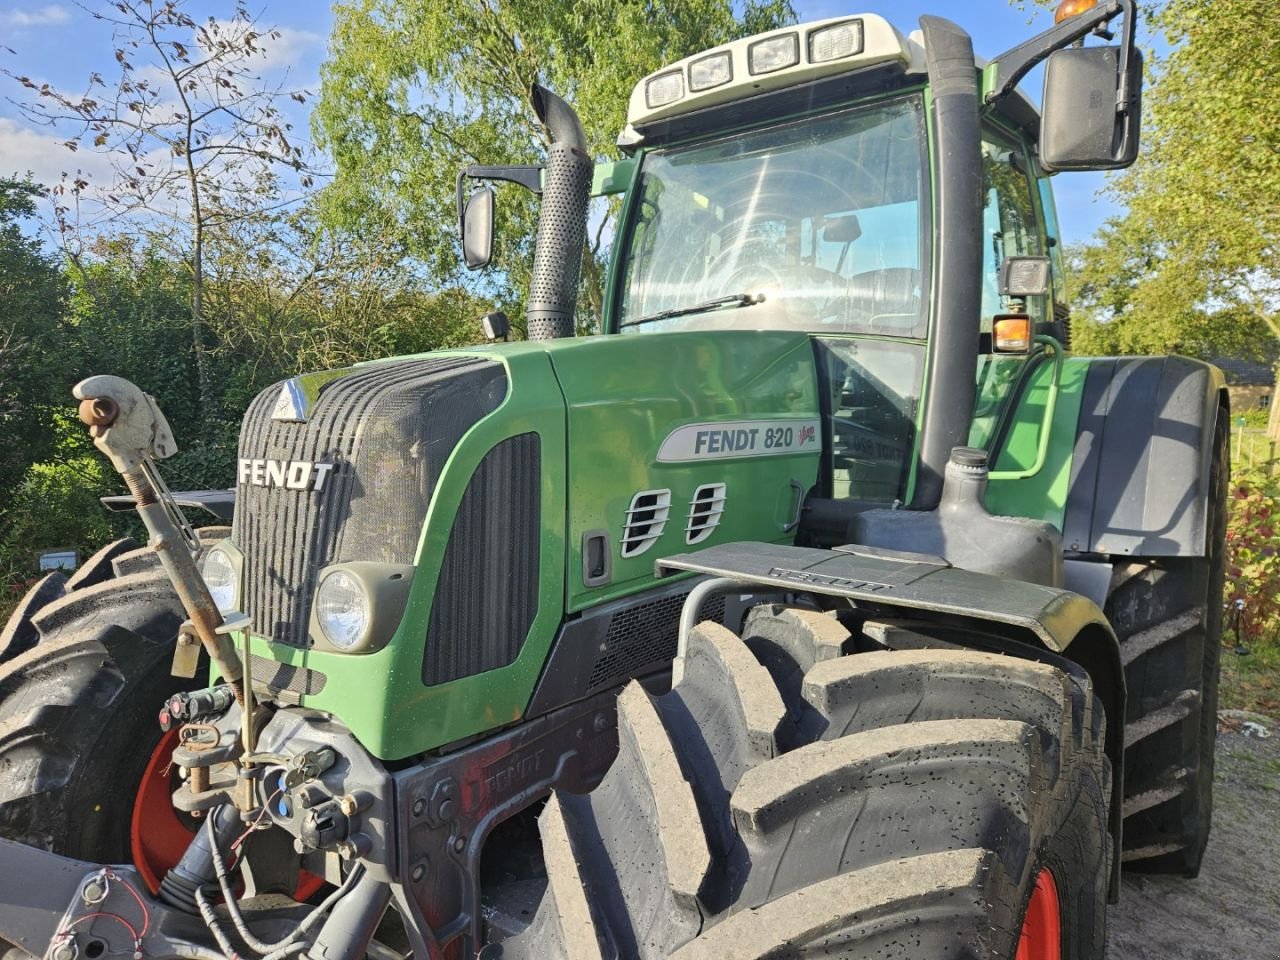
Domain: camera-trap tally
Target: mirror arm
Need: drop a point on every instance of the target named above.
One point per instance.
(1016, 63)
(528, 176)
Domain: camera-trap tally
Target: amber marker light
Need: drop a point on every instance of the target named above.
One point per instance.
(1073, 8)
(1012, 334)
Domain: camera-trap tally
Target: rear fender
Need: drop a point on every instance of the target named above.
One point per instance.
(1140, 472)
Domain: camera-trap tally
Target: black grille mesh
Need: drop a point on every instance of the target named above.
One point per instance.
(388, 429)
(644, 635)
(285, 682)
(487, 594)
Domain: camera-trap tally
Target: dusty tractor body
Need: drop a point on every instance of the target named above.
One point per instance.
(866, 551)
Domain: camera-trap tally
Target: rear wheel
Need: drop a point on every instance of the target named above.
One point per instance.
(787, 800)
(1167, 614)
(86, 767)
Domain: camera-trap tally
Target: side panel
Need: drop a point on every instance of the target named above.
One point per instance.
(676, 412)
(1044, 495)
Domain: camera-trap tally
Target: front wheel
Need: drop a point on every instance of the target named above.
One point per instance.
(85, 673)
(787, 799)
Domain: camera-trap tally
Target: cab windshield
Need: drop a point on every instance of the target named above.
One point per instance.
(817, 225)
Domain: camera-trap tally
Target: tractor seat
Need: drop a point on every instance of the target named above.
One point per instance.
(887, 299)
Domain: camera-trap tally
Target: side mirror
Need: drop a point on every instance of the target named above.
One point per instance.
(477, 229)
(1084, 123)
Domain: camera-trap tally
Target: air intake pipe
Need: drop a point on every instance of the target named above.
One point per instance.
(562, 224)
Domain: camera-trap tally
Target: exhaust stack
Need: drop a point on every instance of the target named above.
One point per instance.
(562, 224)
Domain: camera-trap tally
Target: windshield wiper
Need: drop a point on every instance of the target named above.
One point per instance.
(736, 300)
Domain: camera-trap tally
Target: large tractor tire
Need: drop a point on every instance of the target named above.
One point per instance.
(1167, 614)
(788, 800)
(85, 768)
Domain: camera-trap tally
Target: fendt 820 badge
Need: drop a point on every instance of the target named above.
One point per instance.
(824, 605)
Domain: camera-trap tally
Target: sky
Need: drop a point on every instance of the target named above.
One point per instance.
(61, 43)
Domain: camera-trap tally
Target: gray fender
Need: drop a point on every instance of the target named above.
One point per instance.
(1144, 448)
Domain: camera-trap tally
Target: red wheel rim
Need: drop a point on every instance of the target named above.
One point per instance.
(1042, 928)
(158, 837)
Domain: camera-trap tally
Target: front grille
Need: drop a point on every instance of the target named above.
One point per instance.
(387, 429)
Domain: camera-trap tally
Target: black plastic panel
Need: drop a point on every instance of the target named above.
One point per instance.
(609, 644)
(1140, 472)
(487, 594)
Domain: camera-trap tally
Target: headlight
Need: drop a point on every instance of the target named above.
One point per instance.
(342, 609)
(221, 577)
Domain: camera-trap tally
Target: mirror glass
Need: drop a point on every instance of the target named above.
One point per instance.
(1081, 128)
(477, 229)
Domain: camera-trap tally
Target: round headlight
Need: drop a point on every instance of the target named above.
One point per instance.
(220, 577)
(342, 610)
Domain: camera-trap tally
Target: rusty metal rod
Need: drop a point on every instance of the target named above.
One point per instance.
(175, 556)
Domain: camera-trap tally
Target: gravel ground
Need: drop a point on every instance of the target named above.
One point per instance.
(1232, 911)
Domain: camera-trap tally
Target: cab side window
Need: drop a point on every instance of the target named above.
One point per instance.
(1009, 216)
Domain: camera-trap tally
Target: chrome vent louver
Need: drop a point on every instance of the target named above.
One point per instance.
(646, 519)
(705, 510)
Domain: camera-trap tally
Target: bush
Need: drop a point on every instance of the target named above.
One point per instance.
(1253, 554)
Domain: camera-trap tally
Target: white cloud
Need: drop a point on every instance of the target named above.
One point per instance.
(283, 52)
(23, 149)
(50, 15)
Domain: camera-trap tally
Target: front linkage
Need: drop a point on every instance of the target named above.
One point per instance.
(411, 838)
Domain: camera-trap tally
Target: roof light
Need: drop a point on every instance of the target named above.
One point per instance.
(711, 72)
(664, 89)
(1073, 8)
(776, 53)
(835, 43)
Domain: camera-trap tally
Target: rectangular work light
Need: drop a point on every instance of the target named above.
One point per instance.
(776, 53)
(665, 88)
(835, 43)
(711, 72)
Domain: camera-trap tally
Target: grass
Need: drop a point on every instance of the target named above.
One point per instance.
(1250, 448)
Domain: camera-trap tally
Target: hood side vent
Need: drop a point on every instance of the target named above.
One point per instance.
(705, 510)
(646, 519)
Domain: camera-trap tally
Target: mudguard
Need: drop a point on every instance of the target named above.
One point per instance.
(1143, 451)
(1040, 615)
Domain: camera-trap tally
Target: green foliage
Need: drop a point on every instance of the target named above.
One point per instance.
(33, 336)
(414, 91)
(1253, 554)
(1193, 266)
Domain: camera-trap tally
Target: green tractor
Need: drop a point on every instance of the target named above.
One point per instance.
(823, 606)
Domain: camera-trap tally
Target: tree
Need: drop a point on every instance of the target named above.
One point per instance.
(413, 91)
(1194, 263)
(33, 337)
(192, 130)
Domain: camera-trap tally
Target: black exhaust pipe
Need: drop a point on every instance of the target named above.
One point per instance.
(562, 223)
